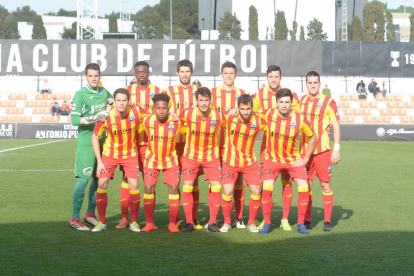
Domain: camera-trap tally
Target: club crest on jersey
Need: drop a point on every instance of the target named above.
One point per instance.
(292, 124)
(100, 94)
(152, 94)
(132, 119)
(193, 92)
(170, 128)
(253, 126)
(237, 96)
(319, 105)
(213, 123)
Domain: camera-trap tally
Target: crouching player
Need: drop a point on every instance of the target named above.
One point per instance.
(119, 148)
(239, 158)
(161, 155)
(282, 155)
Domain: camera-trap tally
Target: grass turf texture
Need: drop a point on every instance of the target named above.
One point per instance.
(372, 223)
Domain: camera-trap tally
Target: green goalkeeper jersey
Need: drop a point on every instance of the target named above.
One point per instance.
(88, 102)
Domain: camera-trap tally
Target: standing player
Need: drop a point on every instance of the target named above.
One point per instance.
(183, 97)
(320, 110)
(141, 93)
(265, 99)
(161, 155)
(120, 148)
(202, 151)
(239, 158)
(224, 98)
(282, 155)
(89, 106)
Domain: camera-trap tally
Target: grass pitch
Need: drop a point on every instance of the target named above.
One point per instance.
(372, 223)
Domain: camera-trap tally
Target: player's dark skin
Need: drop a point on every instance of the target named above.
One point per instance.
(142, 73)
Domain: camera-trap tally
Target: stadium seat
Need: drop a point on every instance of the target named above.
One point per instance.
(409, 105)
(344, 98)
(366, 112)
(37, 111)
(11, 104)
(387, 98)
(377, 120)
(20, 111)
(363, 104)
(18, 119)
(342, 119)
(412, 120)
(393, 112)
(69, 118)
(29, 104)
(412, 98)
(57, 96)
(1, 119)
(357, 112)
(27, 119)
(347, 112)
(67, 97)
(390, 104)
(39, 97)
(46, 111)
(404, 120)
(368, 120)
(353, 97)
(397, 98)
(38, 104)
(350, 120)
(10, 111)
(402, 112)
(373, 104)
(386, 120)
(384, 112)
(47, 104)
(346, 105)
(399, 105)
(8, 119)
(379, 97)
(55, 119)
(3, 104)
(45, 119)
(48, 97)
(13, 97)
(338, 104)
(22, 97)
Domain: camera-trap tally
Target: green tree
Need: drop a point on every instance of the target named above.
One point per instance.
(148, 24)
(315, 31)
(69, 33)
(281, 29)
(373, 21)
(6, 29)
(253, 23)
(412, 27)
(229, 27)
(39, 31)
(63, 12)
(302, 34)
(356, 29)
(401, 7)
(390, 27)
(294, 31)
(349, 30)
(113, 25)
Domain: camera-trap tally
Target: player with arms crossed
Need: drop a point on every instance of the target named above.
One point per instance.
(161, 155)
(182, 97)
(265, 99)
(122, 126)
(89, 106)
(141, 93)
(239, 158)
(320, 111)
(202, 151)
(282, 155)
(224, 98)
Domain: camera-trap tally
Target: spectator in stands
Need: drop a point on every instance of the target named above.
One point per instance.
(372, 87)
(55, 109)
(65, 109)
(197, 82)
(326, 91)
(360, 88)
(45, 88)
(383, 88)
(134, 81)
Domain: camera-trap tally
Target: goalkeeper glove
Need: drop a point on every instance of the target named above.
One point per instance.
(100, 117)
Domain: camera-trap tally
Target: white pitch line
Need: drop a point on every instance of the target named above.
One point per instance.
(1, 151)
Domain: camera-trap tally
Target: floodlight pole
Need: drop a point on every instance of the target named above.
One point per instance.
(171, 33)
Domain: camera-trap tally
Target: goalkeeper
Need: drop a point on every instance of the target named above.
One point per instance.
(89, 106)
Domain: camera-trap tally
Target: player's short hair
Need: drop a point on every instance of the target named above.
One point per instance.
(121, 91)
(284, 92)
(229, 64)
(203, 91)
(313, 74)
(161, 97)
(245, 99)
(273, 68)
(92, 66)
(184, 63)
(141, 63)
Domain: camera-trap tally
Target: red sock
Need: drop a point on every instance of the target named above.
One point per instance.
(134, 200)
(226, 207)
(174, 202)
(254, 206)
(267, 205)
(149, 201)
(153, 205)
(286, 198)
(327, 205)
(179, 198)
(303, 200)
(308, 216)
(196, 199)
(239, 200)
(214, 203)
(124, 199)
(101, 203)
(188, 203)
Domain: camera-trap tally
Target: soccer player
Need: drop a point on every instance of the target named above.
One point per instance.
(141, 93)
(265, 99)
(239, 158)
(119, 148)
(202, 151)
(224, 98)
(182, 97)
(321, 111)
(89, 106)
(282, 155)
(161, 155)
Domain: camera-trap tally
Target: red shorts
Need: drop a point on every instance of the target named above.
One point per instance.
(263, 161)
(179, 147)
(320, 165)
(191, 168)
(271, 171)
(250, 173)
(171, 176)
(142, 149)
(130, 167)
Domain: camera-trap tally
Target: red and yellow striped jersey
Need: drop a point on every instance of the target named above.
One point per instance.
(320, 112)
(265, 99)
(283, 135)
(201, 144)
(181, 98)
(143, 99)
(161, 152)
(239, 142)
(121, 133)
(224, 101)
